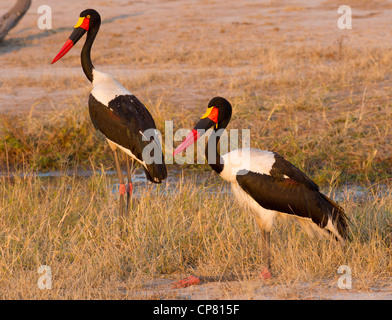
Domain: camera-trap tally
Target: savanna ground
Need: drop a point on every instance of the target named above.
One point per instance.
(318, 95)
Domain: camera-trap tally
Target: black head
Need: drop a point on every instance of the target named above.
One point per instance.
(218, 116)
(93, 17)
(224, 111)
(89, 19)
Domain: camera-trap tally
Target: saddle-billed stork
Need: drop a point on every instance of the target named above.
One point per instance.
(267, 184)
(116, 112)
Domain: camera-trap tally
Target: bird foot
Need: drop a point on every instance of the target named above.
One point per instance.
(187, 282)
(265, 274)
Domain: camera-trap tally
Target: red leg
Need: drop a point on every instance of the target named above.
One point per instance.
(129, 185)
(122, 189)
(122, 185)
(266, 274)
(190, 281)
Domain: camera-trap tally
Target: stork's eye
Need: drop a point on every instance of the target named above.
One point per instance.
(88, 17)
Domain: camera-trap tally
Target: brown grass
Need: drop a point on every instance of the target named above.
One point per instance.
(71, 224)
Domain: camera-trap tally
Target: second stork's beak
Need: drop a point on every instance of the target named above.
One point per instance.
(209, 119)
(80, 29)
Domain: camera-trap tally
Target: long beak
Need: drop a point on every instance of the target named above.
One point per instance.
(75, 37)
(207, 121)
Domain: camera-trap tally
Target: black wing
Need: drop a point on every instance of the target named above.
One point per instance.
(297, 195)
(123, 122)
(282, 168)
(287, 196)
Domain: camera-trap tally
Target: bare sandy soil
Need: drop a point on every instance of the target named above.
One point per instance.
(247, 290)
(133, 30)
(169, 26)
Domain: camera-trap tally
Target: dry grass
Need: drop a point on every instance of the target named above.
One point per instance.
(71, 224)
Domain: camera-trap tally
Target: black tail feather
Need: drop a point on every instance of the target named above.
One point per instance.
(339, 217)
(156, 173)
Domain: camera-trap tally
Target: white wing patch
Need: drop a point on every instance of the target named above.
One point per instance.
(106, 88)
(246, 159)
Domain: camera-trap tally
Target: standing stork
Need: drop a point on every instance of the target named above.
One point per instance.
(267, 184)
(115, 111)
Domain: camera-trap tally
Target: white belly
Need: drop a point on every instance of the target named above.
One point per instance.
(267, 217)
(114, 146)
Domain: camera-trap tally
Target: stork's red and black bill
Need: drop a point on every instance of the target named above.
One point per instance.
(80, 29)
(209, 119)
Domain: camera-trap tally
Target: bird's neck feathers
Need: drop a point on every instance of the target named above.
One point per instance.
(212, 155)
(87, 64)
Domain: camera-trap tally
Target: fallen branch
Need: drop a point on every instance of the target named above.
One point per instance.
(12, 17)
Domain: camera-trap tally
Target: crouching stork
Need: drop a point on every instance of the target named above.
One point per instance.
(267, 184)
